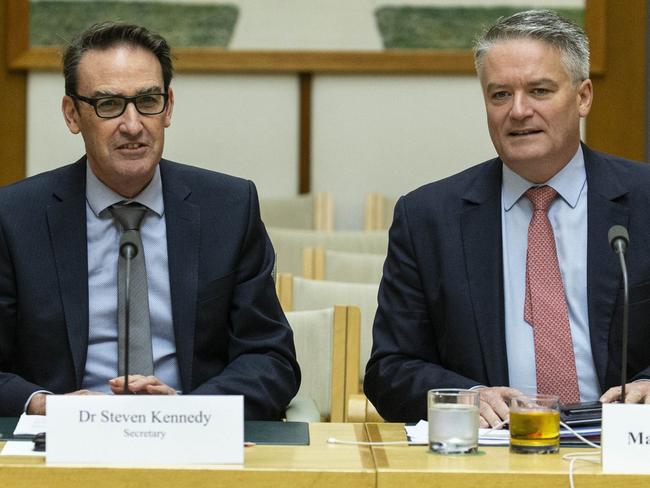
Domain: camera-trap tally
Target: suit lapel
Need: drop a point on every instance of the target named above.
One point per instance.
(182, 220)
(603, 272)
(66, 218)
(481, 235)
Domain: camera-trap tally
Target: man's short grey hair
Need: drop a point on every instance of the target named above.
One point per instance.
(545, 26)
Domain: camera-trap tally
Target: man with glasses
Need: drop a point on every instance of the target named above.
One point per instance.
(206, 303)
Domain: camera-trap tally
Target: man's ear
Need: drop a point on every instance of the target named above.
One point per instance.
(70, 114)
(585, 97)
(170, 107)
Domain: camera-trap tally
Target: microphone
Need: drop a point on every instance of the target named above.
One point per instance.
(128, 250)
(619, 240)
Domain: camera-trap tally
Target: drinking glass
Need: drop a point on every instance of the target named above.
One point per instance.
(453, 417)
(535, 424)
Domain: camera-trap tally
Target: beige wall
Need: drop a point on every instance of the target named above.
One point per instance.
(370, 133)
(391, 134)
(241, 125)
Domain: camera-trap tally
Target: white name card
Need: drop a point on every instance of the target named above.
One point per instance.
(625, 438)
(145, 430)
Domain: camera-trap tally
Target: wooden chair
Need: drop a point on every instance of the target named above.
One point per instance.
(297, 293)
(350, 267)
(329, 369)
(310, 212)
(290, 243)
(378, 211)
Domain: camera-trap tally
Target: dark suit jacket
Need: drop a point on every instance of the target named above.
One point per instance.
(231, 334)
(440, 321)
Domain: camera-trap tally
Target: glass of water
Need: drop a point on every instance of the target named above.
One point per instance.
(453, 417)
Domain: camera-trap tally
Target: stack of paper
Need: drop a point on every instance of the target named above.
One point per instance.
(419, 435)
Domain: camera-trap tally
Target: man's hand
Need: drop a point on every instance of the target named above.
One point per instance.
(37, 403)
(636, 392)
(494, 404)
(141, 385)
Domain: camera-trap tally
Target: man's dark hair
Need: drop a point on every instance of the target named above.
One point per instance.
(108, 34)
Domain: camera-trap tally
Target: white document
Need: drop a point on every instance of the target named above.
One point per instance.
(31, 425)
(20, 448)
(419, 435)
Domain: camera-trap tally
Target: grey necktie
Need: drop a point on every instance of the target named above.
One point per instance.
(140, 349)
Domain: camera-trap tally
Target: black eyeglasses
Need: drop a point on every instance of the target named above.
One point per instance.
(115, 105)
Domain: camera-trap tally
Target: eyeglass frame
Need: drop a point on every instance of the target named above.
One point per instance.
(93, 102)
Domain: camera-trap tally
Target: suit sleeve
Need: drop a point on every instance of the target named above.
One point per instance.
(14, 390)
(261, 355)
(406, 360)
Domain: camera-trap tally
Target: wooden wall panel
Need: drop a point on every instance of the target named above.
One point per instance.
(12, 113)
(618, 121)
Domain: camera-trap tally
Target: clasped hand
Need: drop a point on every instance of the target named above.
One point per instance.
(138, 385)
(141, 385)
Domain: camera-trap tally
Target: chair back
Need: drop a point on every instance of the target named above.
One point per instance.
(350, 267)
(290, 243)
(309, 212)
(302, 294)
(321, 338)
(378, 211)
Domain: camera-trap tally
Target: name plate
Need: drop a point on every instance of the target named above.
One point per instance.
(625, 438)
(145, 430)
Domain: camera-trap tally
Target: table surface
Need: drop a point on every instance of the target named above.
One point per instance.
(323, 465)
(317, 465)
(414, 466)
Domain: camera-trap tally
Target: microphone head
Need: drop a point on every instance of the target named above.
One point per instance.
(617, 232)
(128, 250)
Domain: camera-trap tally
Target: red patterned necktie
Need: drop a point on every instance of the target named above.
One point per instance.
(545, 307)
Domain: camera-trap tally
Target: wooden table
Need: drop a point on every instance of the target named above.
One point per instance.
(414, 466)
(316, 465)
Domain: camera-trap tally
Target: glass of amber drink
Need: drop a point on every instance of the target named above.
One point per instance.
(535, 424)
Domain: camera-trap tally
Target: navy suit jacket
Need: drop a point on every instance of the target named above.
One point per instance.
(231, 334)
(440, 321)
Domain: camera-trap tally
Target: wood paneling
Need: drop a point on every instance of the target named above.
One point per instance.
(304, 132)
(617, 122)
(206, 60)
(12, 118)
(596, 28)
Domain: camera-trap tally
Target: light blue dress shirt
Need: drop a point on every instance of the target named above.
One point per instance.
(103, 235)
(568, 217)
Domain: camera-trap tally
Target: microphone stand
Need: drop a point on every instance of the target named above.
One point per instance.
(619, 239)
(128, 251)
(626, 306)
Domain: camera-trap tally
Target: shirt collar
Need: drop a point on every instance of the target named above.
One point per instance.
(568, 182)
(100, 196)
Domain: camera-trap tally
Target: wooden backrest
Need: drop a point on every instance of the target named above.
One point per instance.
(310, 212)
(325, 340)
(378, 211)
(302, 294)
(351, 267)
(290, 243)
